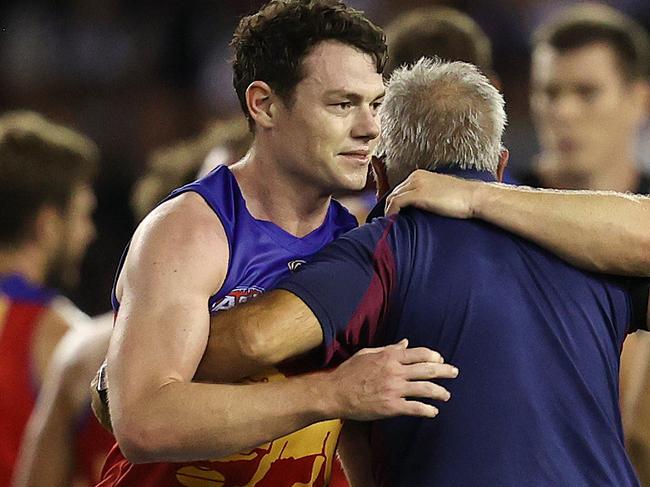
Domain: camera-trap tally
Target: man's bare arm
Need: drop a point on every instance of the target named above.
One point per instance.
(176, 261)
(597, 231)
(253, 336)
(268, 330)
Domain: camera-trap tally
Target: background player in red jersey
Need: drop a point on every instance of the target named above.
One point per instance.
(46, 203)
(48, 451)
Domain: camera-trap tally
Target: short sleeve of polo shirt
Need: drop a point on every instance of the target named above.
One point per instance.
(348, 286)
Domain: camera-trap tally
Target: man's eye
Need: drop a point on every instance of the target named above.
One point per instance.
(344, 105)
(376, 105)
(552, 92)
(587, 93)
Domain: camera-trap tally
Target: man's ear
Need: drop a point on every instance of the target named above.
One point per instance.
(503, 163)
(494, 79)
(381, 179)
(259, 100)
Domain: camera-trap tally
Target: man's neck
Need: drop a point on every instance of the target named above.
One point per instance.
(27, 261)
(622, 177)
(282, 198)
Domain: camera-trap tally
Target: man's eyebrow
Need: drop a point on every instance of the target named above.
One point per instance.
(352, 96)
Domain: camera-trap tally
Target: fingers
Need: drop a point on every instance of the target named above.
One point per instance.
(421, 390)
(406, 355)
(395, 202)
(416, 408)
(419, 354)
(426, 390)
(428, 371)
(437, 193)
(405, 194)
(401, 345)
(375, 383)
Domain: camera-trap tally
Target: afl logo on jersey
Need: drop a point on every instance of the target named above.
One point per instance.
(295, 264)
(237, 296)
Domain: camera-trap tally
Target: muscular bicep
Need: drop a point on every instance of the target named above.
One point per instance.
(257, 334)
(177, 259)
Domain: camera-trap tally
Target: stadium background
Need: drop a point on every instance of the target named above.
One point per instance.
(138, 75)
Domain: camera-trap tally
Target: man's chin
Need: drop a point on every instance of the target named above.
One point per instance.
(357, 181)
(352, 186)
(576, 166)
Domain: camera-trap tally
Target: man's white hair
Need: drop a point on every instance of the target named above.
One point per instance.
(440, 114)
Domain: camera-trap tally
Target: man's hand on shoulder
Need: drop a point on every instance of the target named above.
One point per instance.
(438, 193)
(375, 383)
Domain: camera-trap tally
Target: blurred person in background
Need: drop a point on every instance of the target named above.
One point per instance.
(46, 171)
(48, 452)
(441, 32)
(589, 100)
(223, 142)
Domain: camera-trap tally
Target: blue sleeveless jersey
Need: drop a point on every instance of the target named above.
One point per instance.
(261, 253)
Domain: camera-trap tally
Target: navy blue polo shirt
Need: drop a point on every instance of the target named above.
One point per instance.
(536, 340)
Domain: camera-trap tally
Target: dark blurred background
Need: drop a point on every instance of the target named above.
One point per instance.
(137, 75)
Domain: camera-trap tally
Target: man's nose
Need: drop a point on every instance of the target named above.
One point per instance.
(366, 124)
(566, 106)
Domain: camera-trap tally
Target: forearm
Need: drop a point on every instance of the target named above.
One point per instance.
(190, 421)
(46, 455)
(603, 232)
(181, 421)
(256, 335)
(47, 452)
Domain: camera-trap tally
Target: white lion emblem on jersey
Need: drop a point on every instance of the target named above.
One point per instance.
(236, 296)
